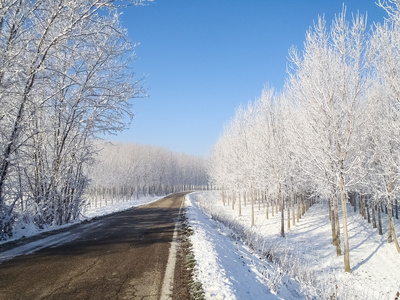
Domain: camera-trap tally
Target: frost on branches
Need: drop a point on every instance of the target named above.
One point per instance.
(63, 80)
(129, 171)
(333, 133)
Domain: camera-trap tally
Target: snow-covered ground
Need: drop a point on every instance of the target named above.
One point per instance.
(306, 265)
(227, 268)
(92, 212)
(230, 270)
(53, 240)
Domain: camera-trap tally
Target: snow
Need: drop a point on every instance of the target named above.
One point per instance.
(226, 267)
(231, 255)
(92, 212)
(56, 239)
(306, 254)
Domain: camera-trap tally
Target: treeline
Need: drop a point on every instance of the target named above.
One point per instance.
(64, 79)
(127, 171)
(333, 133)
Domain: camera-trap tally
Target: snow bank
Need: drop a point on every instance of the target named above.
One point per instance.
(226, 267)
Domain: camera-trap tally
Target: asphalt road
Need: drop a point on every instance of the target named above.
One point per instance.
(123, 256)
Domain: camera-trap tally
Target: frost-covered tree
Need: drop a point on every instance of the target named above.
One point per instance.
(273, 144)
(251, 157)
(63, 80)
(330, 83)
(385, 48)
(334, 132)
(128, 170)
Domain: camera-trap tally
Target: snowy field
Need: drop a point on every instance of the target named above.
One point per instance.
(305, 262)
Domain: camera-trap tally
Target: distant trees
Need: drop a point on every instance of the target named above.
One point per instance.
(333, 132)
(124, 171)
(63, 80)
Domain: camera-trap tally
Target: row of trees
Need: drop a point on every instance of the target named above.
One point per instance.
(127, 171)
(333, 132)
(64, 78)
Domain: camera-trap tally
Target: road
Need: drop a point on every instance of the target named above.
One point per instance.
(123, 256)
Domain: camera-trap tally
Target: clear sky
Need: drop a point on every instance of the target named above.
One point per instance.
(202, 58)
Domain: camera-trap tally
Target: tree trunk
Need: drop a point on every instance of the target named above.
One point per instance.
(293, 210)
(380, 219)
(272, 206)
(252, 208)
(392, 232)
(298, 209)
(264, 194)
(389, 206)
(333, 221)
(373, 215)
(345, 231)
(361, 207)
(288, 212)
(282, 212)
(240, 204)
(337, 224)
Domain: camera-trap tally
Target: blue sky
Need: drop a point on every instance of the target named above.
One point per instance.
(201, 59)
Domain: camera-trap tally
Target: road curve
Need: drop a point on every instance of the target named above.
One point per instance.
(123, 256)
